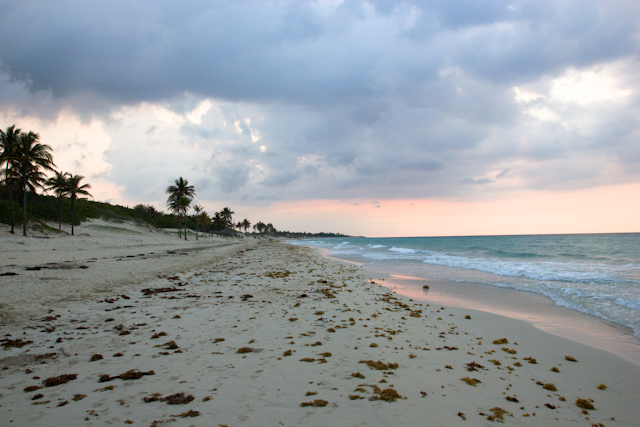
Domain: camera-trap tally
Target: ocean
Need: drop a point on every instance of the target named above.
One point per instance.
(594, 274)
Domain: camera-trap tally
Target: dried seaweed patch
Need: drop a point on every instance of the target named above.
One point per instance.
(380, 366)
(317, 402)
(585, 404)
(61, 379)
(471, 381)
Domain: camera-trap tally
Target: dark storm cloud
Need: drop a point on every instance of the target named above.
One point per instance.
(371, 99)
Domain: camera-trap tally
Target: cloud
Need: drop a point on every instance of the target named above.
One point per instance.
(274, 101)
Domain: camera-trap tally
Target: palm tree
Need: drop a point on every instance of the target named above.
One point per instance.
(198, 209)
(203, 219)
(74, 188)
(58, 183)
(27, 159)
(184, 203)
(8, 142)
(176, 192)
(246, 224)
(227, 216)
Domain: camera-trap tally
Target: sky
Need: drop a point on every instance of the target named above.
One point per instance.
(375, 118)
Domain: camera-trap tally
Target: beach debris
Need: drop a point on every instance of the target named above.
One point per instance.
(380, 366)
(355, 397)
(585, 404)
(425, 287)
(61, 379)
(37, 396)
(508, 350)
(550, 406)
(307, 359)
(497, 413)
(473, 366)
(7, 343)
(96, 357)
(570, 358)
(512, 399)
(471, 381)
(154, 291)
(171, 345)
(602, 387)
(131, 374)
(554, 369)
(467, 317)
(32, 388)
(549, 386)
(388, 395)
(330, 330)
(358, 375)
(189, 413)
(448, 366)
(158, 335)
(174, 399)
(244, 350)
(501, 341)
(317, 402)
(287, 353)
(311, 393)
(217, 340)
(373, 345)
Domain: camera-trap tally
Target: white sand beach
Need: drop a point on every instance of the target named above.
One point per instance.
(139, 328)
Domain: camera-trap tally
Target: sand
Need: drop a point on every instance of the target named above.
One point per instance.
(256, 333)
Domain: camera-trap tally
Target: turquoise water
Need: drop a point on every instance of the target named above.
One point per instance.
(595, 274)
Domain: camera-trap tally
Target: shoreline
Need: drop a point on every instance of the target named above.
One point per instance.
(532, 308)
(273, 334)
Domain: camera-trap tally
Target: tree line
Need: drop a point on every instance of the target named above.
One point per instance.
(23, 160)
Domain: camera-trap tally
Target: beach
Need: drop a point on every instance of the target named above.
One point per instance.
(137, 327)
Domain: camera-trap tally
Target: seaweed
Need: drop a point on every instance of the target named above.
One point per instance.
(174, 399)
(570, 358)
(473, 366)
(550, 406)
(388, 395)
(131, 374)
(602, 387)
(355, 397)
(317, 402)
(158, 335)
(171, 345)
(467, 317)
(311, 393)
(78, 397)
(96, 357)
(549, 386)
(307, 359)
(330, 330)
(287, 353)
(585, 404)
(471, 381)
(244, 350)
(315, 344)
(326, 354)
(61, 379)
(357, 375)
(293, 319)
(448, 366)
(64, 402)
(189, 413)
(380, 366)
(37, 396)
(508, 350)
(217, 340)
(498, 413)
(512, 399)
(554, 369)
(495, 362)
(373, 345)
(32, 388)
(501, 341)
(6, 343)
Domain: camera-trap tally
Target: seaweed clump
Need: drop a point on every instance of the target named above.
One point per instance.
(189, 413)
(61, 379)
(96, 357)
(602, 387)
(570, 358)
(549, 386)
(471, 381)
(6, 343)
(585, 404)
(498, 413)
(174, 399)
(317, 402)
(388, 395)
(501, 341)
(380, 366)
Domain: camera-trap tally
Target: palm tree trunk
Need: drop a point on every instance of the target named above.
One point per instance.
(179, 226)
(60, 204)
(73, 215)
(24, 208)
(185, 227)
(13, 215)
